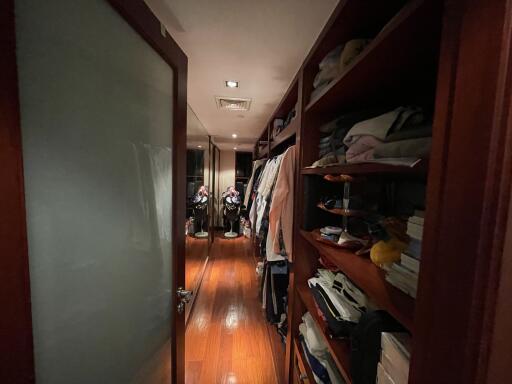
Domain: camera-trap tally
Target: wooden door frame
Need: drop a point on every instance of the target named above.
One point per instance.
(16, 346)
(462, 308)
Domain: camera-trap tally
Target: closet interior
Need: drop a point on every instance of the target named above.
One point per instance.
(359, 117)
(338, 211)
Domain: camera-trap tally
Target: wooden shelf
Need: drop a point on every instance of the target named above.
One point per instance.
(339, 348)
(303, 362)
(419, 169)
(286, 133)
(286, 105)
(342, 212)
(263, 151)
(407, 39)
(371, 279)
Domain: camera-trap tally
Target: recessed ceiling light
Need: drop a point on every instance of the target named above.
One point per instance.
(234, 135)
(234, 148)
(199, 146)
(231, 84)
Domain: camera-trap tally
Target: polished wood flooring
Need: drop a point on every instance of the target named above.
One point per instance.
(196, 251)
(227, 340)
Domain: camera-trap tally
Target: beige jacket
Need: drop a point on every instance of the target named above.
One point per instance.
(281, 209)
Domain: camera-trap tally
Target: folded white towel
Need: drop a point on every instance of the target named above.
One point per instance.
(380, 126)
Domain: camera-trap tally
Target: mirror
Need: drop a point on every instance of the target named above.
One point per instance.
(200, 200)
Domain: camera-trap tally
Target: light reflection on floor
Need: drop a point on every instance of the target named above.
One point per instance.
(227, 339)
(231, 321)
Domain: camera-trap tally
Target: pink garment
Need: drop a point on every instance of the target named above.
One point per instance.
(362, 149)
(281, 208)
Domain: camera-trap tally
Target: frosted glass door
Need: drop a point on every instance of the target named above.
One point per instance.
(96, 115)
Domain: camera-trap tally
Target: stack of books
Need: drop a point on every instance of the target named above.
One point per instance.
(393, 367)
(415, 232)
(404, 275)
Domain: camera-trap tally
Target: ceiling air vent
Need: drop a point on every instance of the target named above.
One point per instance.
(233, 103)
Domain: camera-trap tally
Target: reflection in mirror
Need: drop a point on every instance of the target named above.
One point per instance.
(199, 197)
(214, 160)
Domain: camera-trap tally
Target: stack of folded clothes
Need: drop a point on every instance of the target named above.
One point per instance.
(342, 238)
(336, 62)
(280, 124)
(339, 301)
(317, 355)
(328, 70)
(331, 147)
(401, 136)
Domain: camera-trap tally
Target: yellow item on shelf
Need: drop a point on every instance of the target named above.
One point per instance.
(387, 252)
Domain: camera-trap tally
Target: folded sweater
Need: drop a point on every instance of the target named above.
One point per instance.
(362, 149)
(379, 127)
(413, 148)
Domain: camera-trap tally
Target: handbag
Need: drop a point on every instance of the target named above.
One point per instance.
(365, 344)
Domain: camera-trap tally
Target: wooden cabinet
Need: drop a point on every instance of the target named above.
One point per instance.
(452, 58)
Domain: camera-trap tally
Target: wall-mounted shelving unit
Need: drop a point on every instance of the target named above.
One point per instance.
(269, 144)
(398, 67)
(409, 33)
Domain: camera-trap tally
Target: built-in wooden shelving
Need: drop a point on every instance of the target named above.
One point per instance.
(398, 67)
(342, 212)
(419, 169)
(286, 105)
(286, 133)
(339, 348)
(303, 363)
(407, 39)
(263, 152)
(370, 278)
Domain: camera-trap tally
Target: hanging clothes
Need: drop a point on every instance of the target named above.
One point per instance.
(266, 185)
(281, 209)
(257, 164)
(274, 291)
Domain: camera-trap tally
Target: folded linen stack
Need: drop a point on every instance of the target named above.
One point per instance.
(401, 136)
(331, 149)
(280, 124)
(404, 275)
(340, 302)
(393, 367)
(336, 62)
(317, 355)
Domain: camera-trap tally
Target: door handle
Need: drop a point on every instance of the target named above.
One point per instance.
(184, 297)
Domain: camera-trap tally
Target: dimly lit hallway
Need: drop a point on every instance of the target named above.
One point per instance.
(227, 340)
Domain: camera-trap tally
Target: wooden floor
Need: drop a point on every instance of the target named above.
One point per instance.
(227, 340)
(196, 251)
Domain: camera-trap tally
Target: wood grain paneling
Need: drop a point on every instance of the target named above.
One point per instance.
(468, 201)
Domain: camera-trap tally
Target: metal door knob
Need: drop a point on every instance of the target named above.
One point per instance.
(184, 295)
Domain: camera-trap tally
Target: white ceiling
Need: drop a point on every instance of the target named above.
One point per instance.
(260, 43)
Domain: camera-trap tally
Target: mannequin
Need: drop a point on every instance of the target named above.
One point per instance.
(200, 206)
(232, 202)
